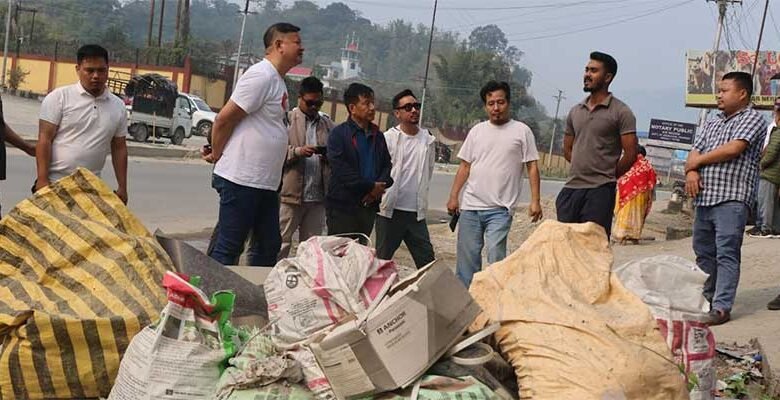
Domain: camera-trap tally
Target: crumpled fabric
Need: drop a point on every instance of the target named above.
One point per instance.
(259, 363)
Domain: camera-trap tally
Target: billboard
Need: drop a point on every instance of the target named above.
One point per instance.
(671, 131)
(699, 79)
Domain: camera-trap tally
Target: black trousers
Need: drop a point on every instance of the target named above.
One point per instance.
(354, 221)
(587, 205)
(404, 226)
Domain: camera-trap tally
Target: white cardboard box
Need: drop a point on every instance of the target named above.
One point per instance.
(408, 331)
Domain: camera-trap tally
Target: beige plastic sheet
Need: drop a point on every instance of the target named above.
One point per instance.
(568, 326)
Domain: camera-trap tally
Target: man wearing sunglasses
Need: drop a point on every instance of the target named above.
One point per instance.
(305, 170)
(402, 211)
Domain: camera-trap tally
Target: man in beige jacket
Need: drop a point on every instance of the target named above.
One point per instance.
(305, 174)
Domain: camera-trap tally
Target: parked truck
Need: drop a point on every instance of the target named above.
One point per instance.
(155, 107)
(202, 117)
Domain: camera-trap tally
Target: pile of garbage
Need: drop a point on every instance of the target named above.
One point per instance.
(83, 315)
(739, 371)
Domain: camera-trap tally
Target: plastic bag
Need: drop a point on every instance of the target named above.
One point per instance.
(671, 287)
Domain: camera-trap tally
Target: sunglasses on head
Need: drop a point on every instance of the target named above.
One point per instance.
(409, 107)
(313, 103)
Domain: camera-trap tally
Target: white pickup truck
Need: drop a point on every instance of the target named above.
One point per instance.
(202, 117)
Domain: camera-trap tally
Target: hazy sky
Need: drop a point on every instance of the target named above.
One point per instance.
(649, 39)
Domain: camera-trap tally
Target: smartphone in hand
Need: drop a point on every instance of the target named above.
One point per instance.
(454, 221)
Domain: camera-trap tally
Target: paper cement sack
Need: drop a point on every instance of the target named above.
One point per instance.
(568, 326)
(330, 278)
(179, 357)
(671, 287)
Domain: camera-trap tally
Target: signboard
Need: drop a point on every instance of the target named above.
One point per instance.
(671, 131)
(701, 85)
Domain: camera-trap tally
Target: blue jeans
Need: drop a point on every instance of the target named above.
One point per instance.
(475, 229)
(717, 241)
(243, 211)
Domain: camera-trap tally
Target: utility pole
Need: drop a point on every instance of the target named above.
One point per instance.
(32, 29)
(5, 46)
(185, 23)
(151, 24)
(428, 61)
(760, 36)
(559, 97)
(722, 7)
(18, 27)
(240, 42)
(160, 29)
(19, 32)
(178, 23)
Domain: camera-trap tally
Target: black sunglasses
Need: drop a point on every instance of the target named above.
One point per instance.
(313, 103)
(408, 107)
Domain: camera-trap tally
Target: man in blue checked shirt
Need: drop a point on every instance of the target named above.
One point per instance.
(720, 174)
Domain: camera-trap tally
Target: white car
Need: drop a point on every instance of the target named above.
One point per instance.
(202, 115)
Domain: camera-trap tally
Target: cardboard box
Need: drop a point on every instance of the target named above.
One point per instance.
(396, 342)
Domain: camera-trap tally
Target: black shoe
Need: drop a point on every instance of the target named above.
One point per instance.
(754, 231)
(761, 234)
(774, 304)
(718, 317)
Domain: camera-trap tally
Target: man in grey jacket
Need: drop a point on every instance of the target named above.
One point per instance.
(402, 211)
(305, 174)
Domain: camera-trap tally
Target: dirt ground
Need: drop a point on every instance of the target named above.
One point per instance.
(445, 241)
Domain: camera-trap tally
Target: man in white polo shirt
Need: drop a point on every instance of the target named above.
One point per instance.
(80, 124)
(249, 145)
(486, 190)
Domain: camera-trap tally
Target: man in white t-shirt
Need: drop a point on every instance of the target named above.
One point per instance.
(402, 211)
(249, 145)
(80, 124)
(486, 190)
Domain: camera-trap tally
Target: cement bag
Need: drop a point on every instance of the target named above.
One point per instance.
(179, 357)
(329, 279)
(79, 277)
(671, 287)
(568, 326)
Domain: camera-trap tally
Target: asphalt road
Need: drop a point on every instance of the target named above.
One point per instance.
(176, 196)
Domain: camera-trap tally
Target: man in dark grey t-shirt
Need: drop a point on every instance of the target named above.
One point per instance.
(597, 130)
